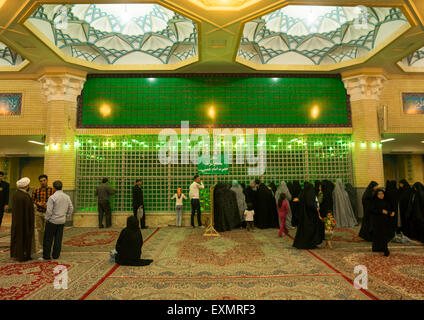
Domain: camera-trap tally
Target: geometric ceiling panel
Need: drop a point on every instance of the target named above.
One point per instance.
(318, 35)
(9, 57)
(118, 34)
(413, 62)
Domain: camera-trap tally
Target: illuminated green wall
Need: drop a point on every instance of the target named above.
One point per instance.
(125, 158)
(239, 101)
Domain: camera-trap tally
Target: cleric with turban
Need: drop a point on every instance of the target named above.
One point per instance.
(22, 233)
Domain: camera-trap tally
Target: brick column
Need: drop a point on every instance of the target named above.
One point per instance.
(61, 92)
(364, 91)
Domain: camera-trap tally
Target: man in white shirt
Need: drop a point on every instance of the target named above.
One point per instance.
(194, 196)
(59, 206)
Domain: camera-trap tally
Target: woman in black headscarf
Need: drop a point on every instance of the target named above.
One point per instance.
(251, 194)
(226, 213)
(273, 187)
(352, 198)
(366, 227)
(392, 196)
(310, 230)
(327, 200)
(266, 214)
(405, 193)
(317, 187)
(417, 212)
(382, 222)
(294, 203)
(129, 245)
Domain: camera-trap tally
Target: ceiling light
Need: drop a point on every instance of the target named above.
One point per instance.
(211, 112)
(315, 112)
(36, 142)
(422, 141)
(387, 140)
(105, 110)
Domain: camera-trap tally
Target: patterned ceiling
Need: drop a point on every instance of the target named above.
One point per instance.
(9, 57)
(308, 35)
(118, 34)
(416, 59)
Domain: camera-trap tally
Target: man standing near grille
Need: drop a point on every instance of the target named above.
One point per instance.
(59, 207)
(138, 202)
(194, 195)
(4, 196)
(103, 192)
(40, 196)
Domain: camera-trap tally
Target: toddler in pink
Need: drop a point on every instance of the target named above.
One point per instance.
(283, 208)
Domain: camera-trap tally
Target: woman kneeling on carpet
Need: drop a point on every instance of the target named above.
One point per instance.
(129, 245)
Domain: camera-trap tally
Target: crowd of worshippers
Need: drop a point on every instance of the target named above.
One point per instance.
(44, 211)
(392, 213)
(316, 210)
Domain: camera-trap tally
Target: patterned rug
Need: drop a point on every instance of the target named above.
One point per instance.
(236, 265)
(85, 254)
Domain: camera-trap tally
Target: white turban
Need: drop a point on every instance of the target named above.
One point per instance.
(23, 183)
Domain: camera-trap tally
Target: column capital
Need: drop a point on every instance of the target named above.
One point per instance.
(364, 87)
(61, 87)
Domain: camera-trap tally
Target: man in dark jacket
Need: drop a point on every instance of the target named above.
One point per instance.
(138, 202)
(103, 193)
(4, 196)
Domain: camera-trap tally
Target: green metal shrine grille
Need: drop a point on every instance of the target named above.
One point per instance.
(122, 159)
(239, 101)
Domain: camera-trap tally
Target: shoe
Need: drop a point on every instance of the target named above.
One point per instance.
(101, 227)
(386, 253)
(202, 227)
(43, 259)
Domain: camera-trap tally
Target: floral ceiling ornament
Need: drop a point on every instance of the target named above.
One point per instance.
(118, 34)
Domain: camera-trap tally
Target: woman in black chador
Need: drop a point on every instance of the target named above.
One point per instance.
(226, 213)
(296, 188)
(392, 196)
(416, 208)
(327, 200)
(251, 194)
(352, 198)
(366, 227)
(266, 214)
(129, 245)
(310, 230)
(405, 193)
(273, 187)
(382, 222)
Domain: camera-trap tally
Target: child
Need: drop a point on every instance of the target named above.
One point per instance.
(248, 215)
(283, 208)
(179, 196)
(329, 224)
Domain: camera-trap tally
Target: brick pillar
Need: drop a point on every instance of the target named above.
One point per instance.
(364, 94)
(61, 92)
